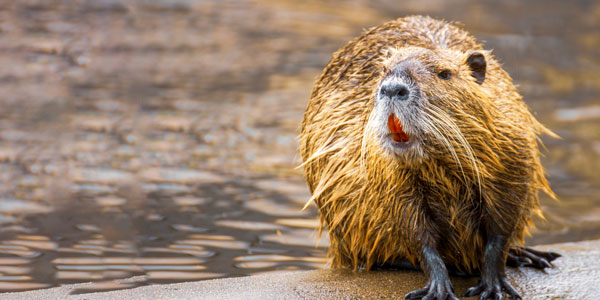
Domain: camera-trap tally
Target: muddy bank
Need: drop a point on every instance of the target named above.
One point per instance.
(574, 276)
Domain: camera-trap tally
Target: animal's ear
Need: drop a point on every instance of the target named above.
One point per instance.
(476, 61)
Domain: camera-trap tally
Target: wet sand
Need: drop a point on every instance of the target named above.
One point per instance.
(574, 276)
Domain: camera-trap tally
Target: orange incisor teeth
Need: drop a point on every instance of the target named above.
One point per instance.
(395, 127)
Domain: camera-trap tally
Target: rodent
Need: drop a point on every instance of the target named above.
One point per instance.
(418, 148)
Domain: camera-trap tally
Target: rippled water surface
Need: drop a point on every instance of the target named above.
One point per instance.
(159, 138)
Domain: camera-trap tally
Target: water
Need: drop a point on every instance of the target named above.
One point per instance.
(158, 139)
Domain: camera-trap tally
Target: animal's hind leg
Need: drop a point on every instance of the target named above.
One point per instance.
(529, 257)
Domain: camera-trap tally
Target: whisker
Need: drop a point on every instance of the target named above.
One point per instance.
(453, 128)
(436, 131)
(363, 146)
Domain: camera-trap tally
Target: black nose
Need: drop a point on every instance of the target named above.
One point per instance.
(395, 91)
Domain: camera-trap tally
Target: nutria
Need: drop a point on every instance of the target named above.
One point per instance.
(418, 149)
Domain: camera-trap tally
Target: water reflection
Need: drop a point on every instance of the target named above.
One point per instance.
(157, 140)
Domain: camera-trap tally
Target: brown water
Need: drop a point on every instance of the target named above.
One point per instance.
(159, 138)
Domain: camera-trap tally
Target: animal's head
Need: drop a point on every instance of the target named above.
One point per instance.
(428, 101)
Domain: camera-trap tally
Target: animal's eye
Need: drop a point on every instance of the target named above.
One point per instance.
(446, 74)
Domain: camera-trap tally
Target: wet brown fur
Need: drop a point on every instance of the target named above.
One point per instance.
(379, 209)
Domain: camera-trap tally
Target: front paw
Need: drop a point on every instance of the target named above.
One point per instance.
(434, 290)
(492, 289)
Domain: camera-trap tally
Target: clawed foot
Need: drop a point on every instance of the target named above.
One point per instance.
(529, 257)
(434, 290)
(492, 289)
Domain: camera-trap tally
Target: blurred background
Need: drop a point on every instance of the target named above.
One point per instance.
(159, 139)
